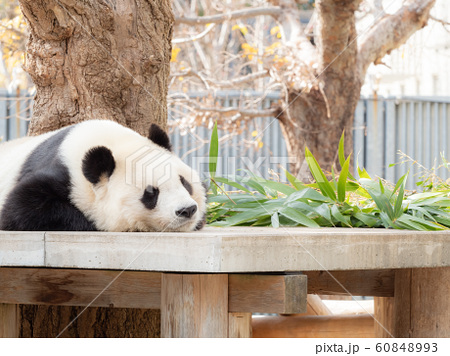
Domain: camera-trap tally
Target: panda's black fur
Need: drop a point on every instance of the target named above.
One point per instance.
(41, 197)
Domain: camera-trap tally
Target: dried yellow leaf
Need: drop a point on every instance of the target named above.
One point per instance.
(274, 30)
(175, 51)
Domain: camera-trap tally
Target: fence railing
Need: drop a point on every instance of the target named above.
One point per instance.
(416, 126)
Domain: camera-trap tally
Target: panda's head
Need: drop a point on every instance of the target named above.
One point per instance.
(135, 183)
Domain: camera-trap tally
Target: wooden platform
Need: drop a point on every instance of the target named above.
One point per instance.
(230, 250)
(233, 272)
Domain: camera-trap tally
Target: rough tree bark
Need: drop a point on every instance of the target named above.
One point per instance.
(96, 60)
(317, 118)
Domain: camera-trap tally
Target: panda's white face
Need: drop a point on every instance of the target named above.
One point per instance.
(130, 183)
(166, 195)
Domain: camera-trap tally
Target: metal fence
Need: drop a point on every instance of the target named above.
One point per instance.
(416, 126)
(15, 111)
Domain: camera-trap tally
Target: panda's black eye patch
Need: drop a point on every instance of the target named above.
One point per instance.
(187, 185)
(150, 197)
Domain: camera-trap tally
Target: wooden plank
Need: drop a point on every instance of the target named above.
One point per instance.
(9, 320)
(285, 294)
(194, 305)
(333, 326)
(239, 325)
(379, 283)
(72, 287)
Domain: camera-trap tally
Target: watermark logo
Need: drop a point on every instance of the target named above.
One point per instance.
(147, 165)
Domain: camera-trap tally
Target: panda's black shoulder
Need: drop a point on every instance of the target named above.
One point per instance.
(45, 157)
(40, 198)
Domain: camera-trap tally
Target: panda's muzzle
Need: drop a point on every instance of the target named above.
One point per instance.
(187, 212)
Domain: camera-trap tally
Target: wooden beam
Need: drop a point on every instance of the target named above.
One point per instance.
(333, 326)
(240, 325)
(194, 305)
(9, 320)
(142, 290)
(284, 294)
(316, 306)
(378, 283)
(77, 287)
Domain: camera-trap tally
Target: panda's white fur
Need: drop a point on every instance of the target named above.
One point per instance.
(12, 155)
(114, 203)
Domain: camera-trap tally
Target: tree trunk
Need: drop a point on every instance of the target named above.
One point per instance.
(310, 126)
(317, 118)
(97, 60)
(43, 321)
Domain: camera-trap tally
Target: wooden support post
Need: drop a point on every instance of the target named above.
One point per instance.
(422, 303)
(421, 306)
(9, 320)
(194, 305)
(240, 325)
(384, 316)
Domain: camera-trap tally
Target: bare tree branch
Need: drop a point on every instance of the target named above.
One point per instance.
(228, 111)
(442, 22)
(243, 79)
(194, 38)
(189, 72)
(391, 32)
(274, 11)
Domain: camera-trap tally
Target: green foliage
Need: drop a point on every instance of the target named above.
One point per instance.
(341, 201)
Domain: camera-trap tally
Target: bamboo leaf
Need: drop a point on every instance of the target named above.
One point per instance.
(279, 187)
(308, 194)
(345, 221)
(298, 217)
(363, 173)
(341, 154)
(324, 185)
(231, 183)
(243, 217)
(275, 220)
(213, 151)
(294, 181)
(343, 180)
(398, 209)
(367, 219)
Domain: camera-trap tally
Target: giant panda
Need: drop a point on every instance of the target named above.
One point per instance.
(98, 175)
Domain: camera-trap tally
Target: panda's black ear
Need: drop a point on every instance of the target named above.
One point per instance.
(159, 136)
(98, 162)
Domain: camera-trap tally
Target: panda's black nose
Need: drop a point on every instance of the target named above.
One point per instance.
(187, 212)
